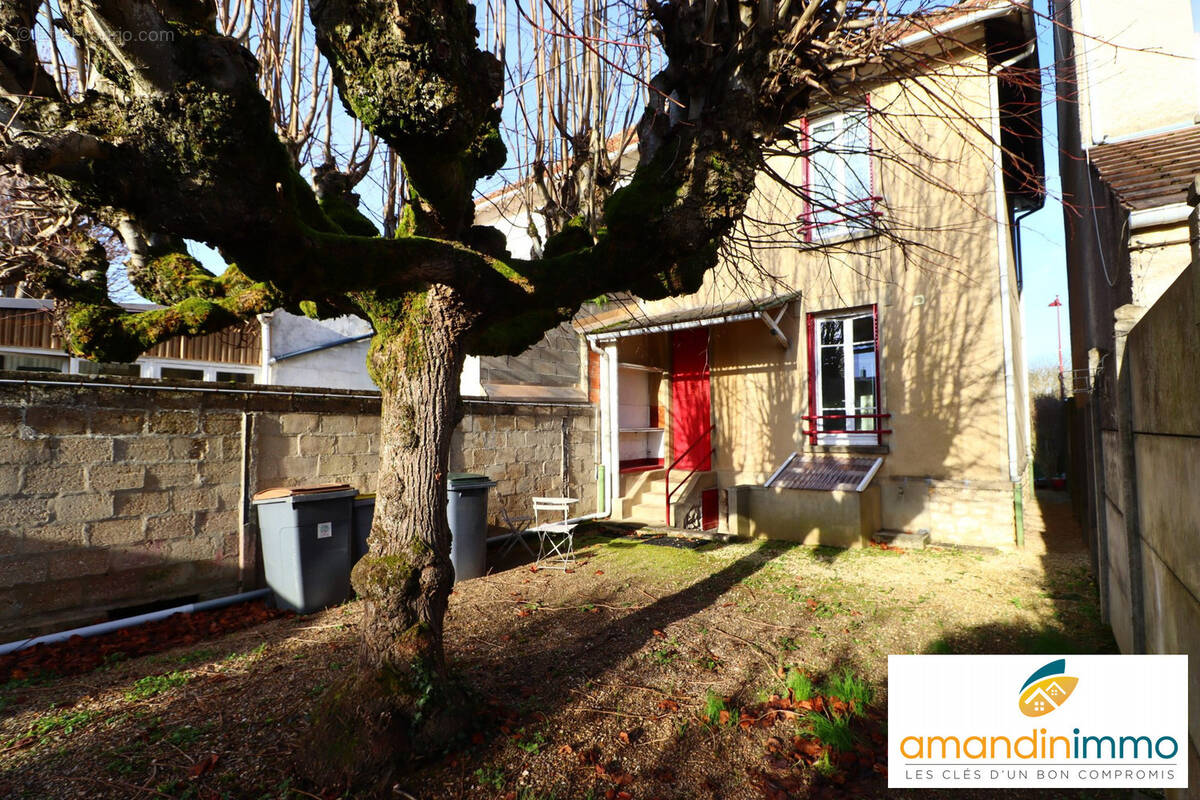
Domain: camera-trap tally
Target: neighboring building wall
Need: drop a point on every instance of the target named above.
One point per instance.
(28, 329)
(340, 367)
(553, 361)
(116, 497)
(1151, 572)
(1134, 314)
(1135, 72)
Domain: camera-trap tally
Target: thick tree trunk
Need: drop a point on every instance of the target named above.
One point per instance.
(406, 578)
(401, 703)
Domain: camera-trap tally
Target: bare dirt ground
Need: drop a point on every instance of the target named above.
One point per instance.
(605, 682)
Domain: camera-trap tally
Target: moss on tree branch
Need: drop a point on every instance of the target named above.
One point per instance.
(107, 332)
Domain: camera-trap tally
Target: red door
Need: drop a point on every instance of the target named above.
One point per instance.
(691, 406)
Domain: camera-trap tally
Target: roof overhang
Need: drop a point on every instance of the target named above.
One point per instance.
(702, 317)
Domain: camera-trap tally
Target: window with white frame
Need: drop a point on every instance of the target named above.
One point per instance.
(32, 362)
(839, 179)
(843, 379)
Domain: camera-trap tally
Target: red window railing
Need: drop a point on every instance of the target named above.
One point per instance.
(808, 224)
(814, 430)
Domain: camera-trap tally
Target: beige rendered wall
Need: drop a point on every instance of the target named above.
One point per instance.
(833, 519)
(1137, 66)
(1156, 258)
(939, 314)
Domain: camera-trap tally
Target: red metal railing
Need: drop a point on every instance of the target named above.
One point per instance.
(814, 431)
(683, 455)
(809, 224)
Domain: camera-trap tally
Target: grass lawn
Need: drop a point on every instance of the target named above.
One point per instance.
(742, 670)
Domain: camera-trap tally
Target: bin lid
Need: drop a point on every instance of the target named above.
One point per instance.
(299, 494)
(366, 497)
(469, 480)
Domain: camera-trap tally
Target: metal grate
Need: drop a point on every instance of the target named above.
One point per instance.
(825, 473)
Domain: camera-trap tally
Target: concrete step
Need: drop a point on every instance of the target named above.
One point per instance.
(648, 512)
(902, 539)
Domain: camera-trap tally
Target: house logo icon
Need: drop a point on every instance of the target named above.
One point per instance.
(1046, 689)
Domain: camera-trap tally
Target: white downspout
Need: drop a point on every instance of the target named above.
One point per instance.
(612, 402)
(266, 371)
(605, 415)
(1003, 238)
(1095, 121)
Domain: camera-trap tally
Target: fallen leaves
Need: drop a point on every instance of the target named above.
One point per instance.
(203, 766)
(78, 655)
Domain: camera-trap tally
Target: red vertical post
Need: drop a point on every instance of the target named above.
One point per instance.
(812, 381)
(1057, 306)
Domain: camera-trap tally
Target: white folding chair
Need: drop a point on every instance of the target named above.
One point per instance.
(556, 536)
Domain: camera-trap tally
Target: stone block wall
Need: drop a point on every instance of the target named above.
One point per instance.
(114, 497)
(553, 361)
(529, 450)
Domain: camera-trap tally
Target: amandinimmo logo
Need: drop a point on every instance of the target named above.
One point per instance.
(964, 735)
(1046, 689)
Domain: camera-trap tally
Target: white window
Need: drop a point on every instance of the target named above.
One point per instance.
(843, 378)
(28, 362)
(174, 370)
(839, 182)
(118, 370)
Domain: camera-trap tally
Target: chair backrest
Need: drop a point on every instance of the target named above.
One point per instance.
(552, 505)
(509, 519)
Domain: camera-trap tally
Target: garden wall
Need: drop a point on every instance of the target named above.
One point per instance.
(116, 496)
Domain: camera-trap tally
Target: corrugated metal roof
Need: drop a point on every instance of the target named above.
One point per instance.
(822, 473)
(1151, 171)
(712, 314)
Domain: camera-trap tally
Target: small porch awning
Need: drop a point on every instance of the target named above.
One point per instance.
(699, 317)
(825, 473)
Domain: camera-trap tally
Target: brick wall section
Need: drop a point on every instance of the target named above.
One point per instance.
(113, 496)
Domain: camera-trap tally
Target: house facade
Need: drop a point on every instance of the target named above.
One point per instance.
(835, 383)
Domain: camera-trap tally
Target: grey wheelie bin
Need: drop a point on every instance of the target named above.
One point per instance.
(305, 534)
(364, 514)
(467, 499)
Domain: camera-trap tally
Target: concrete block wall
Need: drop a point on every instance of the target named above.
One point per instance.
(114, 496)
(553, 361)
(529, 450)
(1163, 356)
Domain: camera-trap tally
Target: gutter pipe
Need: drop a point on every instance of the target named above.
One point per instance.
(1003, 240)
(129, 622)
(1163, 215)
(319, 347)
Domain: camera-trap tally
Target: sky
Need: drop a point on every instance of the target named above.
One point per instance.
(1042, 242)
(1041, 232)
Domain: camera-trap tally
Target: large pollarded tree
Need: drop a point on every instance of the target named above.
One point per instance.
(172, 139)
